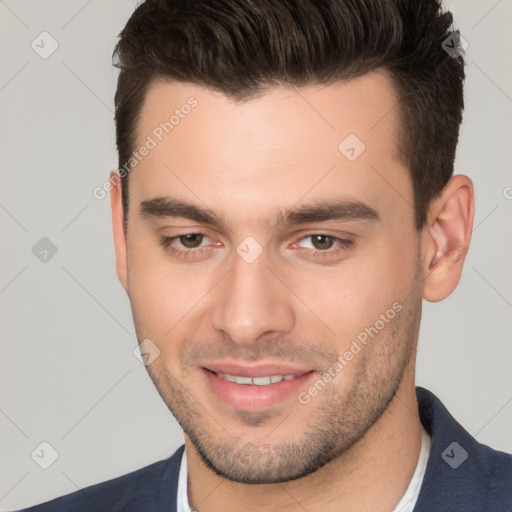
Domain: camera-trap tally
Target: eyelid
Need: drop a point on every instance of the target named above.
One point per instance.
(167, 243)
(342, 244)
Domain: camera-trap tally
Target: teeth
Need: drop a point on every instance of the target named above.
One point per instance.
(261, 381)
(243, 380)
(256, 381)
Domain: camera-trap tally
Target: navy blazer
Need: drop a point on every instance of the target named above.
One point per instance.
(462, 475)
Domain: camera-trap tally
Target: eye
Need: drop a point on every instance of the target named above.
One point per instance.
(187, 244)
(319, 244)
(191, 240)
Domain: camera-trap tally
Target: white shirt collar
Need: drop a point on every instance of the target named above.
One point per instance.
(183, 504)
(408, 501)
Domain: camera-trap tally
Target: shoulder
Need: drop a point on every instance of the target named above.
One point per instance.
(499, 478)
(462, 474)
(139, 491)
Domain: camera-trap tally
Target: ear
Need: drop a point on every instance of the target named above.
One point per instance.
(446, 238)
(116, 203)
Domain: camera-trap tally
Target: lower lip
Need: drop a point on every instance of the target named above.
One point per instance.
(249, 397)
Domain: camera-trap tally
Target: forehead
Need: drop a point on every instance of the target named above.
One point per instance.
(364, 106)
(278, 147)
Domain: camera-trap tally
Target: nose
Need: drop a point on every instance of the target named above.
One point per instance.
(252, 302)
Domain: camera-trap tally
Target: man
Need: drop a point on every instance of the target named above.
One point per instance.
(284, 203)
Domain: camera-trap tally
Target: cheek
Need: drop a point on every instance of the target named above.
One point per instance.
(154, 292)
(352, 297)
(165, 297)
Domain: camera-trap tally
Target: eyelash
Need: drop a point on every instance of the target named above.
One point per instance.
(343, 245)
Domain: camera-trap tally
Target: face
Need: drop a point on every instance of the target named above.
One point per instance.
(273, 260)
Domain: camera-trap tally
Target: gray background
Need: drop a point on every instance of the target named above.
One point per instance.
(68, 373)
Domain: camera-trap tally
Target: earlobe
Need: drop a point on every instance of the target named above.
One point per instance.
(116, 203)
(446, 238)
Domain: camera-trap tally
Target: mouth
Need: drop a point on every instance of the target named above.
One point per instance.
(255, 381)
(258, 388)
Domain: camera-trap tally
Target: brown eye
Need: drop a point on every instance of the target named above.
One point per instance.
(321, 245)
(191, 240)
(322, 242)
(189, 245)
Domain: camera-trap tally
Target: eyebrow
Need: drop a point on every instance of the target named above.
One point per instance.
(320, 211)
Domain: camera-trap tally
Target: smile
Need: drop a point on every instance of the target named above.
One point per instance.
(255, 381)
(255, 388)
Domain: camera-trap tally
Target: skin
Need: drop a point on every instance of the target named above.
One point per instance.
(358, 439)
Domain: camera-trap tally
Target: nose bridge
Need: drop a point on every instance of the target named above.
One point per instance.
(251, 302)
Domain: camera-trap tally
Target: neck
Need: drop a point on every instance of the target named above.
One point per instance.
(372, 475)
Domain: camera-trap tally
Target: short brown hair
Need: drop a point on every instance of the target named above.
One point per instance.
(242, 47)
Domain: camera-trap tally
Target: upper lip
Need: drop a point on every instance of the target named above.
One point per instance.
(254, 371)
